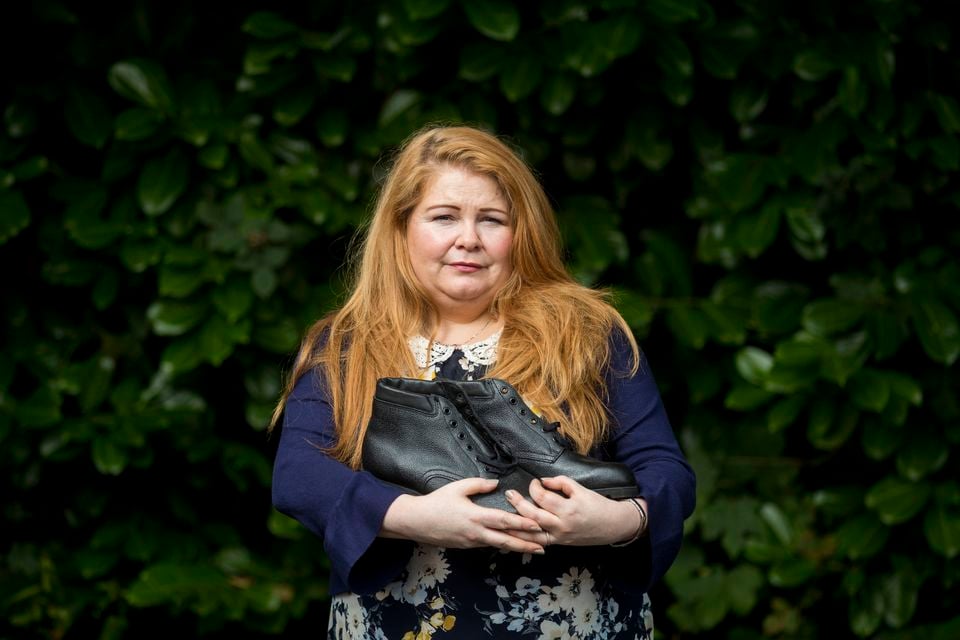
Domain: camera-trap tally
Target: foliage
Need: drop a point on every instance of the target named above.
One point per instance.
(769, 188)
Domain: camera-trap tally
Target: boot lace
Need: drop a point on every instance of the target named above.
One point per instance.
(559, 438)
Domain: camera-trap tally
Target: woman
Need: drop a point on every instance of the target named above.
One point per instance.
(461, 276)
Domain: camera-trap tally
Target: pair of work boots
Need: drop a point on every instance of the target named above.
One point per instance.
(424, 434)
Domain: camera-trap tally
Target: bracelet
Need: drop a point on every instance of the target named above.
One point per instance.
(640, 530)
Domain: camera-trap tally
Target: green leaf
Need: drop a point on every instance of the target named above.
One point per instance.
(497, 19)
(887, 331)
(778, 307)
(163, 583)
(88, 117)
(183, 354)
(591, 229)
(747, 101)
(174, 318)
(291, 106)
(880, 439)
(882, 62)
(732, 520)
(137, 124)
(279, 337)
(947, 110)
(897, 500)
(870, 390)
(398, 103)
(941, 525)
(755, 233)
(785, 412)
(425, 9)
(753, 364)
(481, 60)
(778, 523)
(218, 338)
(179, 282)
(937, 328)
(742, 585)
(233, 299)
(828, 431)
(162, 181)
(214, 156)
(792, 572)
(673, 11)
(866, 610)
(923, 454)
(838, 501)
(862, 537)
(557, 93)
(905, 387)
(740, 180)
(332, 127)
(83, 222)
(142, 81)
(285, 527)
(14, 214)
(108, 457)
(900, 598)
(673, 55)
(829, 316)
(852, 92)
(39, 409)
(812, 65)
(806, 223)
(745, 397)
(677, 89)
(267, 24)
(520, 79)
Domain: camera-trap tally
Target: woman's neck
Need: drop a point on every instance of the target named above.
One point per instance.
(466, 330)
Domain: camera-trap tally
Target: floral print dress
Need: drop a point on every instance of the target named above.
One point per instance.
(566, 593)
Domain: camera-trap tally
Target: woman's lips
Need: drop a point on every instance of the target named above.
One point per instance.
(465, 267)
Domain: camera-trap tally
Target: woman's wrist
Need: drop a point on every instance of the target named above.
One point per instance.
(639, 508)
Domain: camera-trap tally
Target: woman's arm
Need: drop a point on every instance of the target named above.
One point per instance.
(345, 508)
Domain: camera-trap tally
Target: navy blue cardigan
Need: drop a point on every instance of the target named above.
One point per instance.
(346, 507)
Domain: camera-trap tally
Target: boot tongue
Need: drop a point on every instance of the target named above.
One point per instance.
(494, 454)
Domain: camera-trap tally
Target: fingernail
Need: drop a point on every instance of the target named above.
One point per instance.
(511, 494)
(534, 527)
(540, 552)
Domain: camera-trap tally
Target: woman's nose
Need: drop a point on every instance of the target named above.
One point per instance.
(468, 238)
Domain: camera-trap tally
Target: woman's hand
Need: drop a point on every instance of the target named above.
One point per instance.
(448, 518)
(571, 514)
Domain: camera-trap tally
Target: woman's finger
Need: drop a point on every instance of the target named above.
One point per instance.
(472, 486)
(504, 520)
(547, 499)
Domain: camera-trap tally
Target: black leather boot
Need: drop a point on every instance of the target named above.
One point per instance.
(539, 449)
(417, 440)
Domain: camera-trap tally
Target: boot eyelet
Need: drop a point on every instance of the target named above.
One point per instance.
(533, 421)
(503, 390)
(523, 412)
(469, 447)
(446, 411)
(460, 435)
(453, 423)
(513, 401)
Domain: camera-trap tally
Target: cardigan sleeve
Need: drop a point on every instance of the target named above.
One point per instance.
(643, 439)
(344, 507)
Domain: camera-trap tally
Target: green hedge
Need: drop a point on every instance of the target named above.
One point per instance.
(770, 188)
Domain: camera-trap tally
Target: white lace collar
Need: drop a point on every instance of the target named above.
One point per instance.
(483, 352)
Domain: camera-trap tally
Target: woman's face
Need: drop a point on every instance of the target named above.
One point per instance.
(459, 238)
